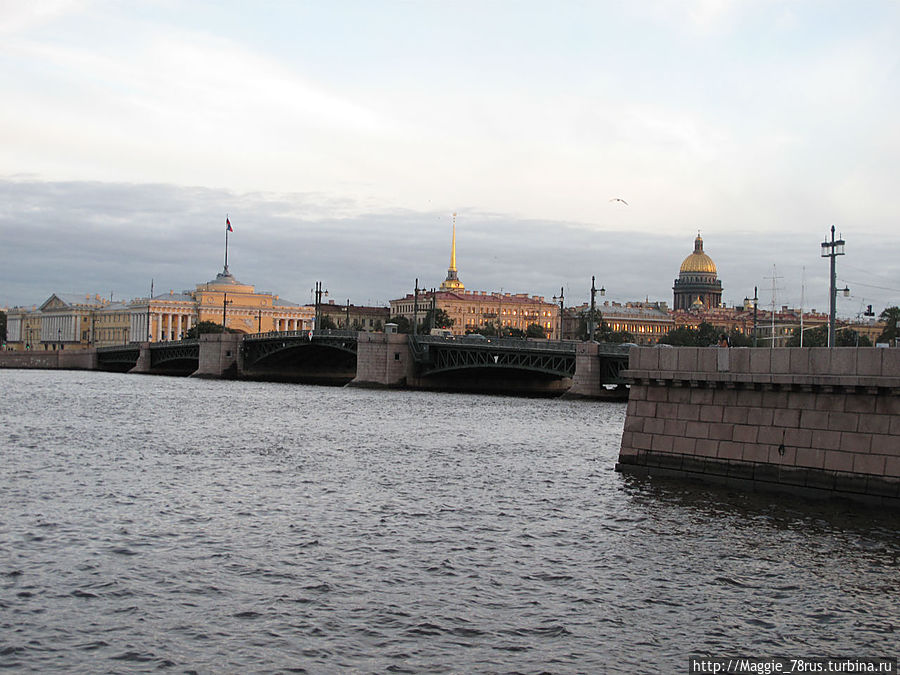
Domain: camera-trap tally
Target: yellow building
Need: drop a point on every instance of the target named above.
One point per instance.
(473, 310)
(66, 321)
(171, 315)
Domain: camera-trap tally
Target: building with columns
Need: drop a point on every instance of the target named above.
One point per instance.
(67, 321)
(244, 309)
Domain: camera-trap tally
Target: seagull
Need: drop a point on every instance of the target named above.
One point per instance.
(617, 199)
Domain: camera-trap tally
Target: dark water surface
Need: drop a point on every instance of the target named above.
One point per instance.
(151, 523)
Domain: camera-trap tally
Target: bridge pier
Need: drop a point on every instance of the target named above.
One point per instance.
(591, 372)
(219, 356)
(143, 362)
(383, 360)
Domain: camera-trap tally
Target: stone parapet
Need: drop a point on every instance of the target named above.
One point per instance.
(785, 417)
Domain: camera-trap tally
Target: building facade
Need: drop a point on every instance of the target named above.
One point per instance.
(351, 317)
(66, 321)
(472, 311)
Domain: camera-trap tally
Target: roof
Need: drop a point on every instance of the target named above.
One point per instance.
(698, 261)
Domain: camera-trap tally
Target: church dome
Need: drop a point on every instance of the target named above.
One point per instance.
(698, 261)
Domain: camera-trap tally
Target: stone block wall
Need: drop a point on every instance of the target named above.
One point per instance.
(382, 360)
(219, 355)
(812, 420)
(29, 359)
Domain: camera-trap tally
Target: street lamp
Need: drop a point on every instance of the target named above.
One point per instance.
(832, 249)
(755, 308)
(561, 298)
(319, 293)
(225, 303)
(594, 290)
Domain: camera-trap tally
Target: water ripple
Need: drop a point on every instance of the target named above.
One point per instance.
(153, 523)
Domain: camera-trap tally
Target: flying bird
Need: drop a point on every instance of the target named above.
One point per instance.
(617, 199)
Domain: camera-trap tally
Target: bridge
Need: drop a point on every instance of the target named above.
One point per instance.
(470, 363)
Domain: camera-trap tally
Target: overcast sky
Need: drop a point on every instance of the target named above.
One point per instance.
(341, 136)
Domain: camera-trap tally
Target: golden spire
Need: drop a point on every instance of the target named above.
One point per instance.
(452, 282)
(453, 247)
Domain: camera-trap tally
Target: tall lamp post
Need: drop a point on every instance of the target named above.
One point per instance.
(755, 308)
(561, 298)
(415, 326)
(594, 290)
(225, 303)
(319, 293)
(832, 249)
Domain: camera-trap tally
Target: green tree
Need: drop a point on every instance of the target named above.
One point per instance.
(441, 320)
(488, 330)
(850, 338)
(403, 324)
(326, 323)
(535, 330)
(738, 339)
(890, 316)
(2, 327)
(203, 328)
(705, 335)
(604, 333)
(812, 337)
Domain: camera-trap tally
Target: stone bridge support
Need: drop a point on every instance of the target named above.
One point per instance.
(589, 375)
(383, 360)
(821, 422)
(220, 356)
(143, 362)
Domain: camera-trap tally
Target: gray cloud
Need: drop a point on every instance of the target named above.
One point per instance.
(113, 238)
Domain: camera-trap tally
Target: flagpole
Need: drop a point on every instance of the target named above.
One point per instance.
(226, 244)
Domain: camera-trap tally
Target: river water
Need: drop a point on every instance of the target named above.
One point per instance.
(153, 523)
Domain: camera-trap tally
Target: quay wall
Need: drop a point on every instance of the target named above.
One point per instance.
(821, 422)
(29, 359)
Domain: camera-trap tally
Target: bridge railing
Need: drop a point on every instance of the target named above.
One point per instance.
(506, 343)
(189, 342)
(302, 334)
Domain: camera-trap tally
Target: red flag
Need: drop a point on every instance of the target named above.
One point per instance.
(228, 225)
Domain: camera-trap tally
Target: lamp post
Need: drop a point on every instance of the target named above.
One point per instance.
(225, 303)
(755, 308)
(319, 293)
(561, 298)
(594, 290)
(415, 326)
(832, 249)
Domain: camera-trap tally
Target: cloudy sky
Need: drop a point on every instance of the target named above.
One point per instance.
(340, 137)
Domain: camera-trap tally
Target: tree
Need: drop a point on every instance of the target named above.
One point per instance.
(739, 339)
(441, 319)
(890, 316)
(705, 335)
(535, 330)
(488, 330)
(818, 337)
(850, 338)
(205, 327)
(2, 327)
(603, 333)
(403, 325)
(326, 323)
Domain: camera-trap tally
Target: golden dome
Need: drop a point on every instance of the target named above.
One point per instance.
(698, 261)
